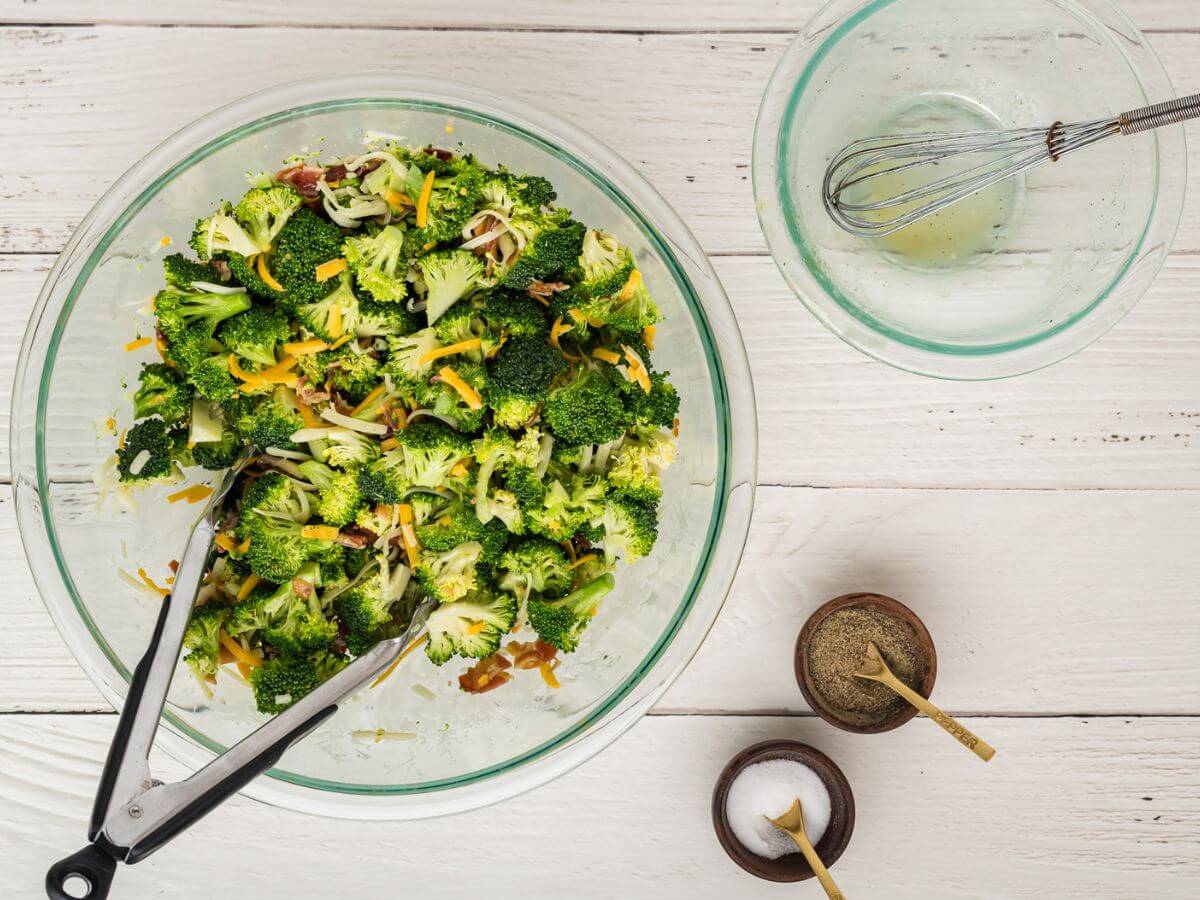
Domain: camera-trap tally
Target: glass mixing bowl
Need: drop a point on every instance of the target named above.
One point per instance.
(1060, 255)
(467, 750)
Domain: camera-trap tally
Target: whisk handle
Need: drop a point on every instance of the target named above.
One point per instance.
(1150, 117)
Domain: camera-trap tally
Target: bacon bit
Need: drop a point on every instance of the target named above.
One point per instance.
(305, 348)
(225, 542)
(137, 344)
(327, 270)
(162, 592)
(423, 200)
(260, 265)
(248, 586)
(648, 334)
(352, 540)
(547, 671)
(532, 654)
(240, 653)
(335, 172)
(570, 548)
(546, 288)
(301, 588)
(675, 427)
(399, 659)
(303, 178)
(486, 675)
(173, 565)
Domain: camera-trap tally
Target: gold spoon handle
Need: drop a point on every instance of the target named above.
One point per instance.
(961, 733)
(818, 867)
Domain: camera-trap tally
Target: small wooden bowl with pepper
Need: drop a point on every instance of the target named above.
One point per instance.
(831, 647)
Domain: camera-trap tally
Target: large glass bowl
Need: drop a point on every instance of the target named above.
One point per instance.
(467, 750)
(1062, 252)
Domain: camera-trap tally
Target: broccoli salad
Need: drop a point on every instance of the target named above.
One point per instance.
(447, 386)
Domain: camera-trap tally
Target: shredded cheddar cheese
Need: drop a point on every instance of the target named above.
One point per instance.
(390, 444)
(311, 419)
(342, 340)
(469, 394)
(327, 270)
(138, 344)
(305, 348)
(459, 470)
(450, 350)
(540, 299)
(319, 532)
(260, 264)
(243, 546)
(164, 241)
(248, 585)
(369, 399)
(399, 659)
(631, 286)
(586, 558)
(476, 628)
(648, 334)
(161, 591)
(238, 652)
(193, 494)
(423, 200)
(335, 320)
(607, 355)
(548, 676)
(397, 201)
(225, 542)
(408, 535)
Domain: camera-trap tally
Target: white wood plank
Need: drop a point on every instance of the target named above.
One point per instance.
(77, 120)
(1103, 808)
(1120, 415)
(607, 15)
(1040, 602)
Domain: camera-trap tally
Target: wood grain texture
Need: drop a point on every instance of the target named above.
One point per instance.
(1100, 808)
(1040, 602)
(57, 84)
(571, 15)
(1122, 414)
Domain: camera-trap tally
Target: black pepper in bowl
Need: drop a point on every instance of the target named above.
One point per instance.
(831, 648)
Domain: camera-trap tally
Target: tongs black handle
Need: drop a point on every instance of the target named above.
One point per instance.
(89, 874)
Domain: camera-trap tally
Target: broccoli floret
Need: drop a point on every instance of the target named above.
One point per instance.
(566, 507)
(162, 392)
(334, 314)
(514, 314)
(449, 276)
(515, 195)
(189, 320)
(451, 203)
(524, 484)
(606, 265)
(553, 250)
(220, 233)
(355, 374)
(281, 681)
(211, 378)
(586, 410)
(430, 451)
(151, 453)
(628, 310)
(495, 452)
(275, 493)
(181, 272)
(519, 378)
(365, 609)
(463, 322)
(305, 242)
(638, 464)
(288, 619)
(218, 454)
(405, 354)
(630, 528)
(316, 473)
(656, 409)
(446, 401)
(264, 211)
(270, 421)
(379, 263)
(383, 319)
(341, 499)
(561, 622)
(454, 628)
(202, 639)
(536, 565)
(277, 547)
(255, 334)
(460, 525)
(246, 271)
(346, 448)
(450, 575)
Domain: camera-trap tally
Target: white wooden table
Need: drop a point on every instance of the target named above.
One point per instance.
(1047, 528)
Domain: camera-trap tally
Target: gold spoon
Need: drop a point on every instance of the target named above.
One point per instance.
(791, 823)
(873, 668)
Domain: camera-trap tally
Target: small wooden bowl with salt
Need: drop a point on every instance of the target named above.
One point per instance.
(831, 646)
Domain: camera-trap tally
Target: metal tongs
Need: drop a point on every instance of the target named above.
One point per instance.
(135, 814)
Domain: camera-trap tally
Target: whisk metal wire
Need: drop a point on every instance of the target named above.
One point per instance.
(1002, 155)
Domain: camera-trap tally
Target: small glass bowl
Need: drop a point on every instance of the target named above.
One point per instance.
(467, 751)
(1078, 242)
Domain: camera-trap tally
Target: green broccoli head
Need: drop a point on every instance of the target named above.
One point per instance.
(289, 618)
(565, 508)
(365, 610)
(202, 641)
(281, 681)
(211, 378)
(628, 310)
(305, 242)
(459, 525)
(451, 203)
(278, 548)
(162, 391)
(189, 319)
(587, 409)
(472, 627)
(444, 400)
(430, 450)
(464, 322)
(605, 264)
(379, 263)
(255, 334)
(183, 273)
(383, 319)
(656, 409)
(630, 528)
(334, 314)
(385, 480)
(554, 244)
(519, 379)
(561, 622)
(449, 276)
(278, 495)
(406, 355)
(525, 485)
(152, 453)
(345, 448)
(355, 374)
(637, 466)
(218, 454)
(514, 314)
(270, 421)
(246, 272)
(450, 575)
(219, 234)
(341, 499)
(264, 211)
(536, 565)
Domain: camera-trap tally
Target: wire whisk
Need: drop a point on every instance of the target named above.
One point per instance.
(960, 164)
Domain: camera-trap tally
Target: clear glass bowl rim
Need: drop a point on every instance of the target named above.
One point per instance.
(707, 303)
(798, 264)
